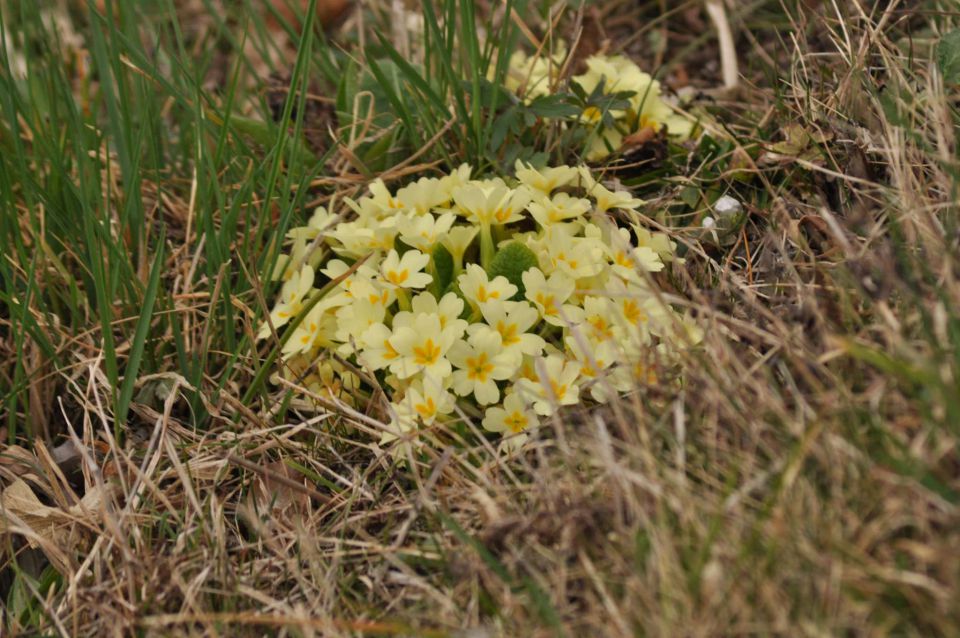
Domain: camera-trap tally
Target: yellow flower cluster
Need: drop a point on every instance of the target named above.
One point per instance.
(460, 296)
(647, 107)
(534, 76)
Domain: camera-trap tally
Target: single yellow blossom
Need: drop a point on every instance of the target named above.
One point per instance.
(545, 180)
(556, 385)
(478, 289)
(550, 295)
(423, 346)
(376, 350)
(514, 418)
(512, 320)
(423, 232)
(426, 399)
(316, 330)
(559, 208)
(292, 294)
(493, 205)
(405, 272)
(481, 362)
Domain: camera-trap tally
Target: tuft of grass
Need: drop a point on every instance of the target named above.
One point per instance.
(801, 480)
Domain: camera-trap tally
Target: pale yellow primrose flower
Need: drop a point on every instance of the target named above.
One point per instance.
(379, 203)
(356, 239)
(628, 261)
(636, 311)
(402, 427)
(556, 385)
(660, 243)
(547, 179)
(374, 291)
(423, 232)
(423, 195)
(425, 399)
(337, 268)
(481, 362)
(598, 325)
(595, 360)
(532, 76)
(576, 257)
(288, 265)
(291, 300)
(618, 74)
(494, 205)
(376, 350)
(448, 310)
(316, 330)
(639, 366)
(320, 221)
(423, 347)
(512, 320)
(515, 417)
(550, 295)
(453, 181)
(606, 199)
(601, 143)
(559, 208)
(404, 272)
(647, 107)
(478, 289)
(353, 321)
(458, 240)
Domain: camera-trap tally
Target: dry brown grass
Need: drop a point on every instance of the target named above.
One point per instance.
(803, 480)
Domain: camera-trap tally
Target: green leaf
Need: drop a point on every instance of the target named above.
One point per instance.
(443, 262)
(512, 261)
(555, 106)
(139, 343)
(948, 57)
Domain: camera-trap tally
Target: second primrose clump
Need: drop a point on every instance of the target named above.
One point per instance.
(643, 109)
(479, 298)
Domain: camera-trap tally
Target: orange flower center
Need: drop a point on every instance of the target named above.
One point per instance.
(559, 390)
(517, 422)
(601, 328)
(397, 278)
(548, 302)
(633, 313)
(508, 333)
(427, 354)
(483, 294)
(478, 368)
(389, 352)
(426, 409)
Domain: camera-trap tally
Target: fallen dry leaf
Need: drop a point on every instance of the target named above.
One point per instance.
(274, 489)
(53, 530)
(329, 12)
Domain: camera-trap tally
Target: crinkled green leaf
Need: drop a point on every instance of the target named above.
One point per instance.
(948, 57)
(512, 261)
(443, 261)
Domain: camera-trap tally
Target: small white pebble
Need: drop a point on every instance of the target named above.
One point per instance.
(727, 206)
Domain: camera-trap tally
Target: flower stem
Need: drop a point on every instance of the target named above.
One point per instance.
(434, 280)
(403, 299)
(486, 246)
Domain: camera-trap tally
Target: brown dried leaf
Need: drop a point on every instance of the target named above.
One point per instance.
(52, 529)
(329, 12)
(274, 491)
